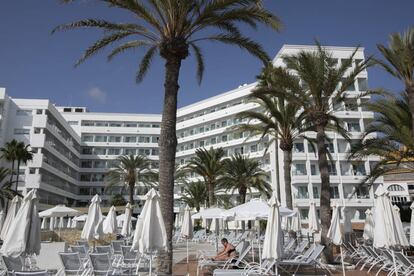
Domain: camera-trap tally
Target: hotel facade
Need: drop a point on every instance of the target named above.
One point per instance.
(74, 148)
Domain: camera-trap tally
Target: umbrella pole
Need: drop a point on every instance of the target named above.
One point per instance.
(258, 240)
(150, 264)
(342, 261)
(188, 272)
(395, 263)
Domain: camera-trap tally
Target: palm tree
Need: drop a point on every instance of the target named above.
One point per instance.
(6, 191)
(172, 28)
(276, 117)
(23, 155)
(207, 164)
(194, 194)
(9, 153)
(393, 141)
(244, 175)
(399, 56)
(317, 84)
(130, 171)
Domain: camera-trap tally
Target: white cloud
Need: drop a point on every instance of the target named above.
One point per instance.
(96, 94)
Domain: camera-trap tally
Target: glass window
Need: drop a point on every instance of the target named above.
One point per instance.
(144, 139)
(100, 138)
(351, 105)
(131, 125)
(86, 164)
(330, 147)
(303, 192)
(213, 140)
(358, 168)
(345, 168)
(224, 138)
(253, 148)
(299, 169)
(87, 138)
(115, 124)
(334, 192)
(115, 139)
(353, 126)
(332, 169)
(100, 164)
(351, 87)
(154, 152)
(99, 151)
(87, 150)
(304, 213)
(315, 191)
(314, 169)
(130, 151)
(114, 151)
(130, 139)
(21, 131)
(23, 112)
(298, 147)
(362, 84)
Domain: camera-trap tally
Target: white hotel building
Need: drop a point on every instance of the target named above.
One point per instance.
(74, 148)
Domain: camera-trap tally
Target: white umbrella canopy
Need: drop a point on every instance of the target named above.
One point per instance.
(93, 225)
(273, 242)
(385, 233)
(313, 219)
(187, 224)
(43, 226)
(14, 206)
(121, 219)
(150, 234)
(209, 213)
(80, 218)
(252, 210)
(369, 225)
(334, 233)
(127, 225)
(399, 227)
(59, 211)
(412, 225)
(24, 235)
(110, 224)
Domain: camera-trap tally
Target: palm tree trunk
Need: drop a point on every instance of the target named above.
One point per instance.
(131, 187)
(277, 168)
(18, 174)
(325, 202)
(410, 92)
(12, 172)
(210, 194)
(167, 146)
(287, 164)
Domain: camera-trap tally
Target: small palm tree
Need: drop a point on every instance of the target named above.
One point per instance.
(170, 29)
(6, 191)
(130, 171)
(195, 194)
(207, 164)
(276, 117)
(23, 155)
(399, 56)
(9, 153)
(392, 141)
(242, 174)
(318, 84)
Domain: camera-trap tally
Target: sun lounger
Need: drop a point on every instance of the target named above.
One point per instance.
(312, 260)
(31, 273)
(13, 264)
(72, 263)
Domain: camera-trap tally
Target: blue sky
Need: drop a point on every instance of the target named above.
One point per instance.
(36, 64)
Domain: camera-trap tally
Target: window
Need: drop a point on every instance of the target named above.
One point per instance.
(131, 124)
(99, 151)
(346, 61)
(345, 168)
(115, 124)
(67, 109)
(130, 139)
(73, 123)
(334, 192)
(299, 169)
(144, 139)
(155, 125)
(130, 151)
(85, 177)
(37, 130)
(86, 150)
(21, 131)
(99, 164)
(315, 192)
(304, 213)
(342, 146)
(362, 191)
(201, 143)
(114, 151)
(330, 147)
(253, 148)
(78, 109)
(239, 150)
(115, 139)
(86, 164)
(358, 168)
(351, 105)
(298, 147)
(303, 192)
(314, 169)
(223, 123)
(224, 138)
(351, 87)
(23, 112)
(410, 187)
(100, 138)
(332, 169)
(39, 111)
(353, 126)
(362, 84)
(213, 140)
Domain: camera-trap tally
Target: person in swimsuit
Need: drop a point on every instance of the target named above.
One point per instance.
(228, 251)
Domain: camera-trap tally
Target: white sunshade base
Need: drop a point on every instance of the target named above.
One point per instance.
(24, 235)
(252, 210)
(127, 225)
(150, 235)
(93, 226)
(399, 227)
(11, 214)
(273, 242)
(59, 211)
(369, 225)
(110, 224)
(385, 233)
(313, 219)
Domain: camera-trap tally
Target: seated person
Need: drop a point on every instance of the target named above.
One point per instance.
(228, 251)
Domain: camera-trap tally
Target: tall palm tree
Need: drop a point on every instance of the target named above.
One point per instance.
(399, 56)
(243, 175)
(195, 194)
(276, 117)
(23, 155)
(317, 84)
(172, 28)
(207, 164)
(9, 153)
(393, 141)
(130, 171)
